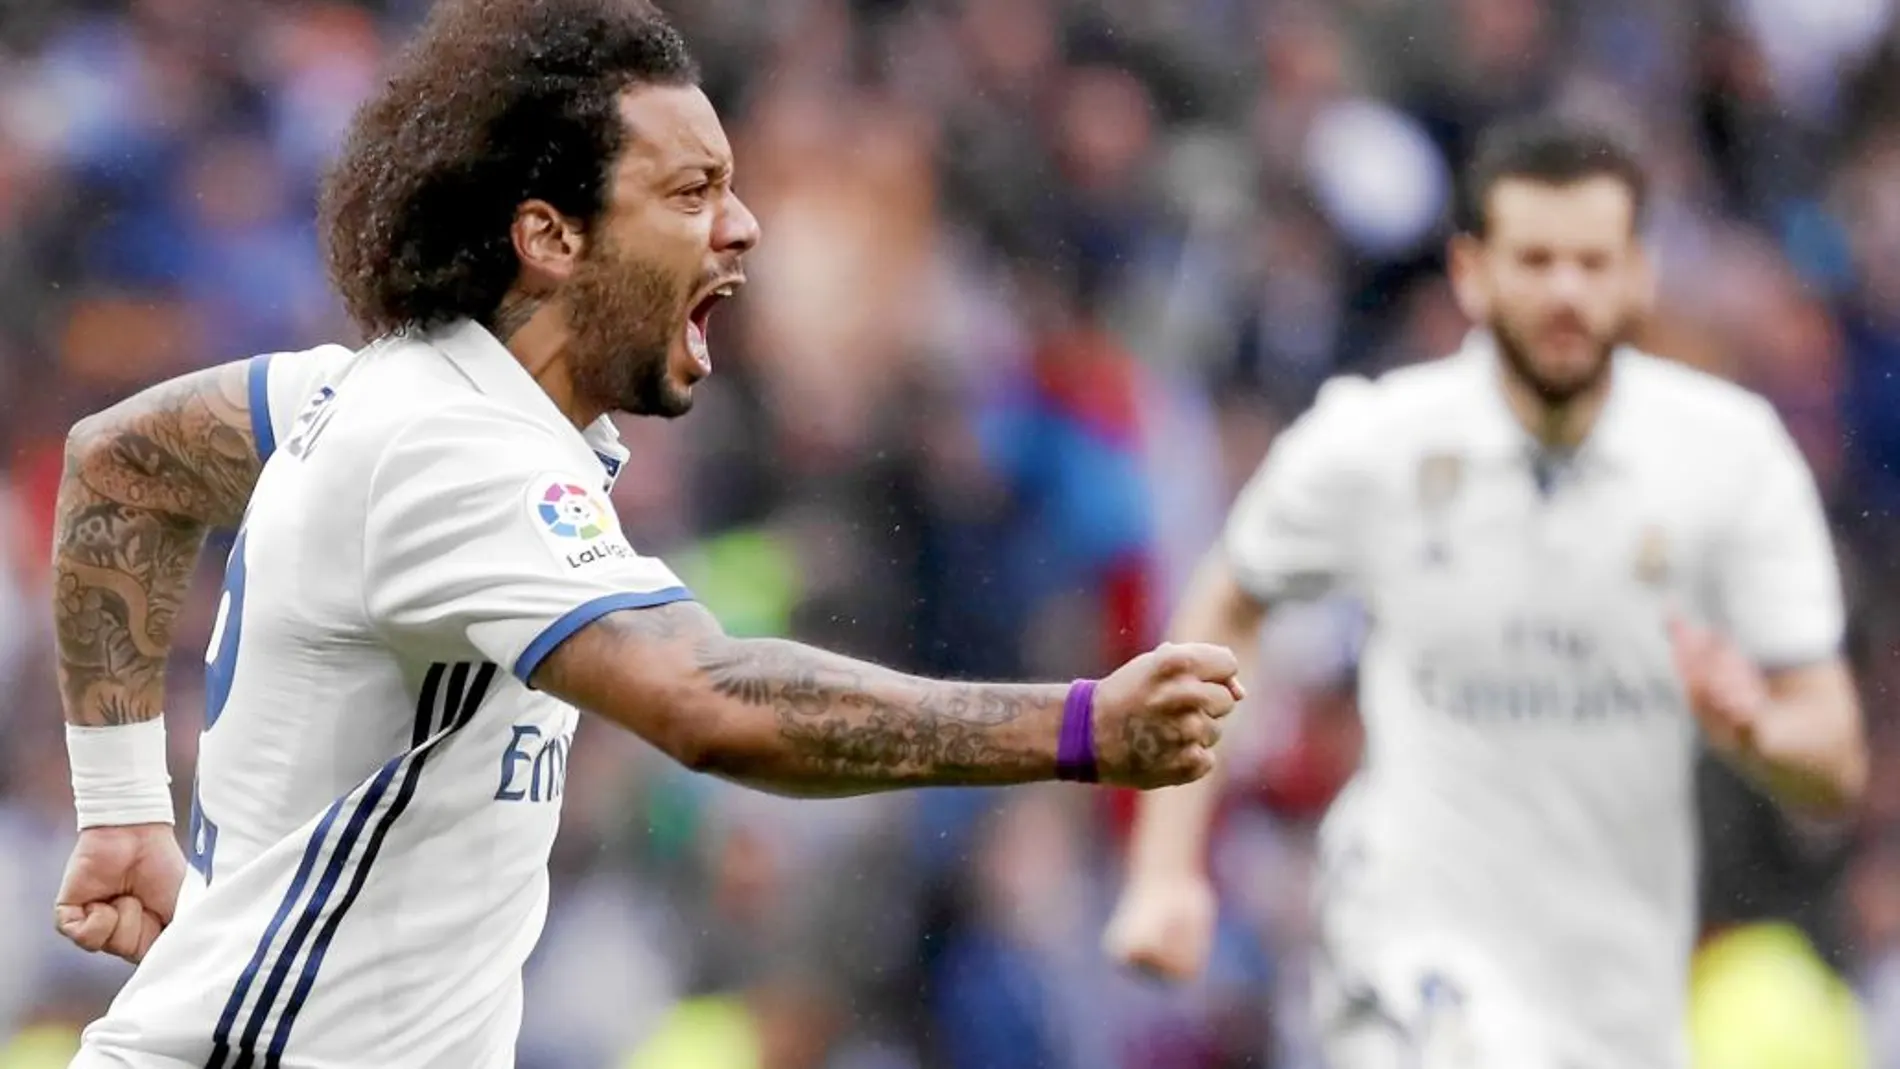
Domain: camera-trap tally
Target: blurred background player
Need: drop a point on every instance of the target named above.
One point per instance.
(1572, 555)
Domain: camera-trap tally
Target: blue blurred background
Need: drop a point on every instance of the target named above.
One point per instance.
(1041, 280)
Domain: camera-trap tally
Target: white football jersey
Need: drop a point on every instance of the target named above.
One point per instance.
(378, 788)
(1524, 810)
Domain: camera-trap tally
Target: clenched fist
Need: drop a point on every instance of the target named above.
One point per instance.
(121, 889)
(1164, 925)
(1157, 718)
(1726, 691)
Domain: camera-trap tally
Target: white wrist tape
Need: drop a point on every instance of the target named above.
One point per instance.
(119, 774)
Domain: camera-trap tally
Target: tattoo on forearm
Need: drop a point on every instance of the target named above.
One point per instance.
(856, 722)
(141, 487)
(836, 724)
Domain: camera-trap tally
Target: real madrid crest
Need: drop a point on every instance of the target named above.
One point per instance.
(1652, 556)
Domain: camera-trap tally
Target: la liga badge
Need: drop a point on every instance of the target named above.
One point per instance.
(576, 523)
(570, 511)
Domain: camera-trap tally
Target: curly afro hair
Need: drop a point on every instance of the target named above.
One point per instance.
(497, 102)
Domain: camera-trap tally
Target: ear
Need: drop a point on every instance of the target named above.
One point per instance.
(548, 244)
(1465, 262)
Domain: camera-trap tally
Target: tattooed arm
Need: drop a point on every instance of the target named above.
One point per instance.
(793, 719)
(143, 482)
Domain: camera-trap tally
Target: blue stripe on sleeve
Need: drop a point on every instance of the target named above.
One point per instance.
(586, 613)
(260, 407)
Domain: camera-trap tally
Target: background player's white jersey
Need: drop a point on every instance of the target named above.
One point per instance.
(1522, 823)
(378, 789)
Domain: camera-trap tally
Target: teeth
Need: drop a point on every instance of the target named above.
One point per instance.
(724, 291)
(696, 347)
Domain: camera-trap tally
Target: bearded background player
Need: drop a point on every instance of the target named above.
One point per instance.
(533, 219)
(1577, 557)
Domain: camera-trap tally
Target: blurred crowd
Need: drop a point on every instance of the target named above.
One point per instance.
(1041, 280)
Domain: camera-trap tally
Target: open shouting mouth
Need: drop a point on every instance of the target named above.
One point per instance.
(701, 313)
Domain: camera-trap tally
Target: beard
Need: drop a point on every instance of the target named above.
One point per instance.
(1554, 391)
(623, 314)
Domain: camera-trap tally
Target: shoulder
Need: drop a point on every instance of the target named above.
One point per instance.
(410, 394)
(460, 461)
(472, 430)
(280, 373)
(327, 353)
(1366, 412)
(1427, 392)
(1685, 404)
(407, 410)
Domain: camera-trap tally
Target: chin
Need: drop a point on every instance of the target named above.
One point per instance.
(671, 401)
(1571, 371)
(1560, 389)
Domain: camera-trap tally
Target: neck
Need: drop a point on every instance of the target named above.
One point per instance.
(1560, 425)
(532, 330)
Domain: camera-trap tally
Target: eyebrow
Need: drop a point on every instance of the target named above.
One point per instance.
(706, 165)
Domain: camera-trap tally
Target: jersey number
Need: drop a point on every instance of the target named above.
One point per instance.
(220, 663)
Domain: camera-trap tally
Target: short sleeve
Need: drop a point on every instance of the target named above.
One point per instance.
(484, 531)
(281, 385)
(1291, 532)
(1779, 583)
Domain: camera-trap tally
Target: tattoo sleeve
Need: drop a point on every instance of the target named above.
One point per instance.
(789, 718)
(143, 482)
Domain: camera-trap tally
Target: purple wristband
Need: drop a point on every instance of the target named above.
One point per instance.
(1075, 748)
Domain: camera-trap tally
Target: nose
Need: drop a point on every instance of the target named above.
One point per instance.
(737, 229)
(1569, 282)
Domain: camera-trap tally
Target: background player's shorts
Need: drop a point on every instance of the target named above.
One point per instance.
(1425, 1003)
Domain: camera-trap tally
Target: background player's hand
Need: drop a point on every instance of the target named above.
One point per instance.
(1157, 717)
(120, 889)
(1726, 691)
(1163, 925)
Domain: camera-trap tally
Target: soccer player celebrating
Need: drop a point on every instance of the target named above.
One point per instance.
(534, 217)
(1573, 555)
